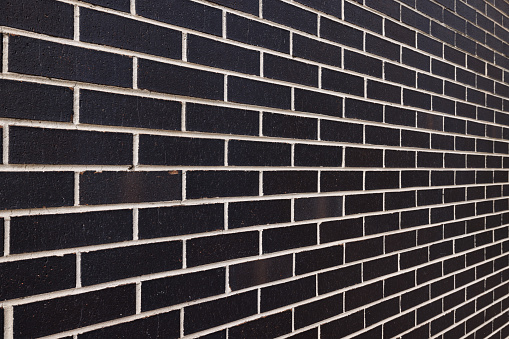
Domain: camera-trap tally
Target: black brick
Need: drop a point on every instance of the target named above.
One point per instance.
(283, 238)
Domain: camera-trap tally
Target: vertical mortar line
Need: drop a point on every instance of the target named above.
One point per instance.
(138, 297)
(318, 19)
(184, 253)
(133, 7)
(318, 186)
(78, 269)
(226, 152)
(292, 210)
(260, 242)
(7, 236)
(293, 319)
(293, 267)
(76, 106)
(136, 150)
(320, 77)
(184, 46)
(292, 99)
(260, 184)
(291, 43)
(76, 188)
(260, 124)
(225, 89)
(8, 322)
(5, 56)
(260, 9)
(184, 182)
(182, 322)
(261, 64)
(259, 300)
(135, 223)
(225, 207)
(318, 127)
(5, 145)
(76, 23)
(292, 155)
(224, 24)
(135, 73)
(365, 87)
(74, 336)
(183, 117)
(227, 288)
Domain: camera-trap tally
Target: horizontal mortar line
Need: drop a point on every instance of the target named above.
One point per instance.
(202, 201)
(74, 291)
(256, 316)
(129, 243)
(177, 62)
(158, 95)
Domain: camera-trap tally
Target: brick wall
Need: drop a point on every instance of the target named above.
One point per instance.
(254, 169)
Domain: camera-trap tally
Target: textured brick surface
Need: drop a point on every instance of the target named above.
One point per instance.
(254, 169)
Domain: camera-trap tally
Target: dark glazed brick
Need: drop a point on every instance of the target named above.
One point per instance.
(315, 260)
(68, 147)
(113, 30)
(363, 249)
(316, 51)
(414, 19)
(379, 267)
(343, 326)
(400, 33)
(400, 241)
(398, 200)
(36, 276)
(58, 231)
(363, 157)
(382, 136)
(382, 311)
(250, 7)
(430, 83)
(363, 295)
(338, 279)
(414, 178)
(260, 272)
(125, 262)
(416, 99)
(381, 223)
(256, 33)
(414, 218)
(48, 59)
(332, 7)
(308, 314)
(363, 203)
(337, 32)
(172, 79)
(217, 312)
(275, 67)
(399, 116)
(24, 100)
(210, 184)
(398, 325)
(316, 155)
(283, 182)
(309, 334)
(129, 187)
(341, 229)
(289, 15)
(381, 91)
(185, 13)
(318, 207)
(341, 131)
(65, 313)
(362, 18)
(288, 293)
(399, 283)
(316, 102)
(253, 153)
(216, 54)
(382, 47)
(381, 180)
(341, 181)
(415, 59)
(36, 189)
(258, 93)
(279, 125)
(284, 238)
(216, 119)
(206, 250)
(271, 326)
(362, 64)
(166, 325)
(40, 16)
(178, 220)
(121, 5)
(342, 82)
(174, 290)
(397, 159)
(391, 8)
(249, 213)
(101, 108)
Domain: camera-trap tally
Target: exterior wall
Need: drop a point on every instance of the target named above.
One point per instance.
(254, 169)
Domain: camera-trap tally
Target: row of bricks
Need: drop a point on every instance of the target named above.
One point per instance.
(36, 233)
(184, 288)
(43, 102)
(153, 76)
(37, 146)
(36, 276)
(53, 189)
(92, 24)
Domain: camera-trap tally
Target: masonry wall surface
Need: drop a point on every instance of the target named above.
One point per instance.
(254, 169)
